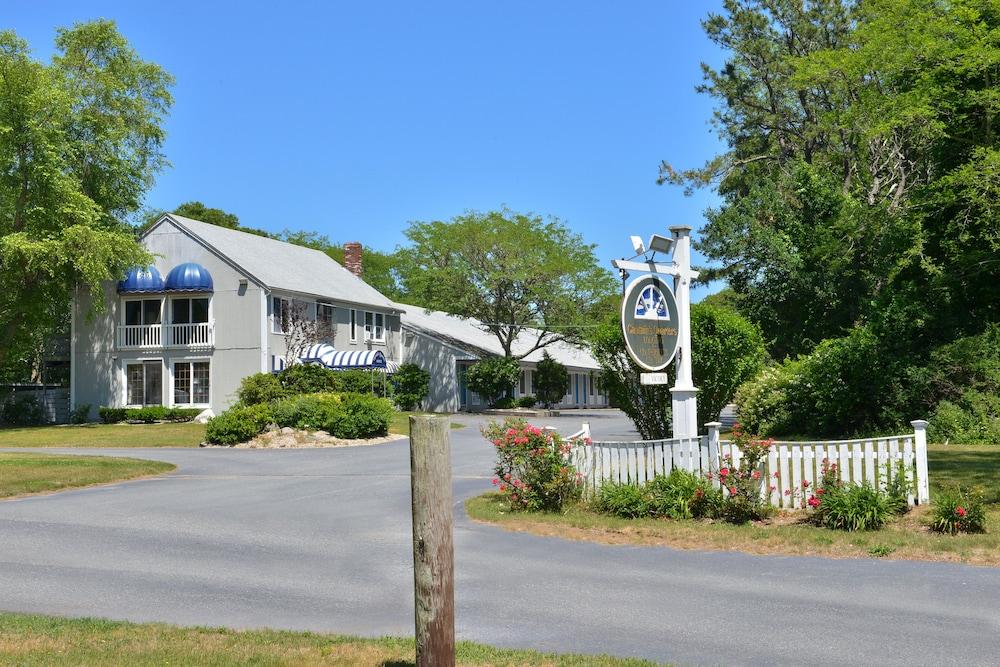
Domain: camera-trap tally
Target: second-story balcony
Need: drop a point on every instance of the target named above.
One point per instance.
(200, 335)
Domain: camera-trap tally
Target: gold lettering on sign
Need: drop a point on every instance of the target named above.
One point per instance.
(637, 330)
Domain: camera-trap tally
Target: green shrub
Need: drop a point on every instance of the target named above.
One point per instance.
(959, 511)
(628, 501)
(260, 388)
(410, 384)
(181, 414)
(551, 380)
(527, 402)
(309, 411)
(531, 470)
(671, 495)
(80, 414)
(361, 382)
(853, 507)
(899, 487)
(360, 416)
(974, 418)
(238, 424)
(505, 403)
(146, 415)
(308, 379)
(25, 410)
(111, 415)
(493, 378)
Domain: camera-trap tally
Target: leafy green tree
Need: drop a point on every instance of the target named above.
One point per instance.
(411, 384)
(493, 378)
(513, 272)
(727, 350)
(551, 381)
(858, 188)
(213, 216)
(80, 144)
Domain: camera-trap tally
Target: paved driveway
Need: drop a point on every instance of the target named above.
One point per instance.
(320, 540)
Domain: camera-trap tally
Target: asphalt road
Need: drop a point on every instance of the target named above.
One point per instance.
(320, 540)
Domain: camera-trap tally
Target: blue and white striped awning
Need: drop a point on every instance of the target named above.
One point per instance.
(331, 358)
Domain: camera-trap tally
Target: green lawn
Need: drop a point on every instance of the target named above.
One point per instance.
(105, 435)
(787, 533)
(44, 640)
(135, 435)
(40, 473)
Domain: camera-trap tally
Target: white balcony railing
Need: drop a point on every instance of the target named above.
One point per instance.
(148, 336)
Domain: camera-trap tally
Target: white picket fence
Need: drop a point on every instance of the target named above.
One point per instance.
(874, 461)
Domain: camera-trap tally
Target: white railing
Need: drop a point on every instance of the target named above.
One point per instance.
(147, 336)
(872, 461)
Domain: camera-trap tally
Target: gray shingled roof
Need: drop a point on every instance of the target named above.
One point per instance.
(284, 266)
(466, 334)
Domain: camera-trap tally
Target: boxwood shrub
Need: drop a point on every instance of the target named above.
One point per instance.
(112, 415)
(238, 424)
(308, 411)
(360, 416)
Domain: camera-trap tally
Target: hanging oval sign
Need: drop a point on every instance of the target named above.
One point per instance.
(649, 322)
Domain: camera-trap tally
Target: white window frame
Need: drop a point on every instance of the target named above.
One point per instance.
(323, 305)
(189, 298)
(522, 383)
(189, 361)
(142, 310)
(375, 332)
(276, 318)
(142, 362)
(354, 325)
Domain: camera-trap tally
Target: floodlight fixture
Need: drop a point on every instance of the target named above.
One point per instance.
(658, 243)
(637, 245)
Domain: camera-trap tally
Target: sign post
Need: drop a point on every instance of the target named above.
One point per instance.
(433, 553)
(656, 322)
(684, 404)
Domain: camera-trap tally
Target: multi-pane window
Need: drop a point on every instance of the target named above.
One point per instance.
(375, 327)
(144, 383)
(191, 382)
(324, 320)
(145, 311)
(281, 314)
(189, 311)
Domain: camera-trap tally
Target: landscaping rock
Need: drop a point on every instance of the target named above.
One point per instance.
(204, 416)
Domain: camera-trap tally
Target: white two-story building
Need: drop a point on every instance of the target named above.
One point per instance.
(213, 309)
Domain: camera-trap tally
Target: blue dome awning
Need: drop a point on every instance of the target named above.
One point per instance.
(141, 279)
(189, 277)
(327, 356)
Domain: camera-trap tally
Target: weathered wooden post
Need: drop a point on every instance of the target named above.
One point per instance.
(433, 549)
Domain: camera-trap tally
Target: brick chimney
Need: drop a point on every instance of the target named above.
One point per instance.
(352, 257)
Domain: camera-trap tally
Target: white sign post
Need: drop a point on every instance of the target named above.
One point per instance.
(684, 401)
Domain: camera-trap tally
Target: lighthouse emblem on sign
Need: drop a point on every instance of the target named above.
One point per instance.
(651, 305)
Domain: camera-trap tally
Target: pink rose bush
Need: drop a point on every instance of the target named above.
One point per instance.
(744, 501)
(532, 469)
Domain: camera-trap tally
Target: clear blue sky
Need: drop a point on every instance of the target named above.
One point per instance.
(352, 119)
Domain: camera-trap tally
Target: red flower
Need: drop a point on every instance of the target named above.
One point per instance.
(503, 487)
(960, 511)
(813, 501)
(756, 474)
(805, 484)
(495, 481)
(732, 490)
(724, 472)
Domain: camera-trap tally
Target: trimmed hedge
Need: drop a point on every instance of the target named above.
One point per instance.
(309, 411)
(147, 415)
(347, 416)
(238, 424)
(360, 416)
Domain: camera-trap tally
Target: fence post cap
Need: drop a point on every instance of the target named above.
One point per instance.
(919, 423)
(713, 424)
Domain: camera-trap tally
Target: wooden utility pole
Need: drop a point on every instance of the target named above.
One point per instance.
(433, 549)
